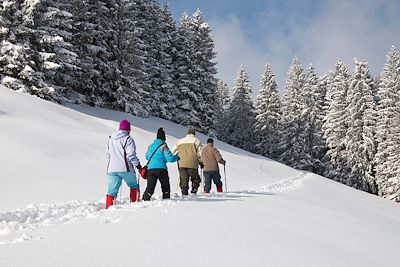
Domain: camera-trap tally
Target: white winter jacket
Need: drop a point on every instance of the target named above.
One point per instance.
(121, 153)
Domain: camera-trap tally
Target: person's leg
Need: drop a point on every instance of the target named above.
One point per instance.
(195, 178)
(131, 180)
(217, 181)
(151, 184)
(207, 182)
(165, 186)
(114, 182)
(184, 180)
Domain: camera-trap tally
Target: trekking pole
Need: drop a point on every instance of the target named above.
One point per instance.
(202, 183)
(226, 186)
(138, 192)
(178, 181)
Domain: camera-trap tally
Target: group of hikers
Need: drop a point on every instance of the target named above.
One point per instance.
(188, 152)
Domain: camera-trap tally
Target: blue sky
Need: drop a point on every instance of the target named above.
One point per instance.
(255, 32)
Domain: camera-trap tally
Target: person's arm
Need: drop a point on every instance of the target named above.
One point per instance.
(218, 157)
(168, 154)
(199, 149)
(175, 149)
(131, 153)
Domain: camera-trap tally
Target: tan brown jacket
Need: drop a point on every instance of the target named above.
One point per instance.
(189, 151)
(211, 157)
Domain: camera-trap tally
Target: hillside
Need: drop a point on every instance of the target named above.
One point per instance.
(53, 185)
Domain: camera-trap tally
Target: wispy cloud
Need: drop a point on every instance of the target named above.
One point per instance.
(318, 32)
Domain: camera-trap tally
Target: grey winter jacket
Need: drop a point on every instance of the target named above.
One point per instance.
(121, 153)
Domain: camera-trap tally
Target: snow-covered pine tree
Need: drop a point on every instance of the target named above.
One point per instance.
(295, 146)
(167, 57)
(335, 124)
(315, 101)
(17, 70)
(154, 43)
(268, 115)
(205, 84)
(360, 136)
(387, 158)
(240, 120)
(130, 56)
(92, 39)
(164, 31)
(185, 94)
(55, 57)
(223, 97)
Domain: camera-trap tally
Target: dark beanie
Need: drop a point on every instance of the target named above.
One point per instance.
(161, 134)
(191, 131)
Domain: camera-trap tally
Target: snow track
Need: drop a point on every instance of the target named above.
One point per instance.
(287, 184)
(43, 215)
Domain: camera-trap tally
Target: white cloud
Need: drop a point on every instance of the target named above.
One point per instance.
(340, 30)
(234, 50)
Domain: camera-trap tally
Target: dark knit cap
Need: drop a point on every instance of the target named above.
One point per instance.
(210, 140)
(161, 134)
(191, 131)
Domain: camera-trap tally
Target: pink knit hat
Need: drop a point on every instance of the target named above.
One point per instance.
(125, 125)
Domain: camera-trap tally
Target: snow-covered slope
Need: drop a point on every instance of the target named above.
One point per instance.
(52, 187)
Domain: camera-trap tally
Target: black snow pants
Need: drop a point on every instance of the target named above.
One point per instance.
(185, 174)
(152, 177)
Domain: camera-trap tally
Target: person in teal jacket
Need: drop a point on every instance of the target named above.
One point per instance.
(157, 166)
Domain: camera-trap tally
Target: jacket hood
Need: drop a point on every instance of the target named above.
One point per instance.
(119, 134)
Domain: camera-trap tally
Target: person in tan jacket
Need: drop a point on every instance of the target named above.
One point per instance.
(189, 152)
(211, 157)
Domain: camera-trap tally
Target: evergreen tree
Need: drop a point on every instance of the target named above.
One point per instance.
(162, 79)
(388, 129)
(54, 53)
(296, 127)
(184, 93)
(223, 97)
(17, 70)
(315, 103)
(94, 43)
(130, 58)
(268, 115)
(335, 124)
(361, 128)
(205, 84)
(239, 130)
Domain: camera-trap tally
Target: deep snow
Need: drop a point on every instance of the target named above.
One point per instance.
(52, 197)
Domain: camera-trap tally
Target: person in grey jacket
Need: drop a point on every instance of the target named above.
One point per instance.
(121, 155)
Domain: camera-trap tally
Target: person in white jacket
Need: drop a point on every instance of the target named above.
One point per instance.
(121, 155)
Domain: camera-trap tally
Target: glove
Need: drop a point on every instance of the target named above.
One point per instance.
(223, 162)
(201, 165)
(139, 167)
(178, 158)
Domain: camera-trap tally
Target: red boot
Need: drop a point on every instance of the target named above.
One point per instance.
(219, 189)
(135, 194)
(109, 201)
